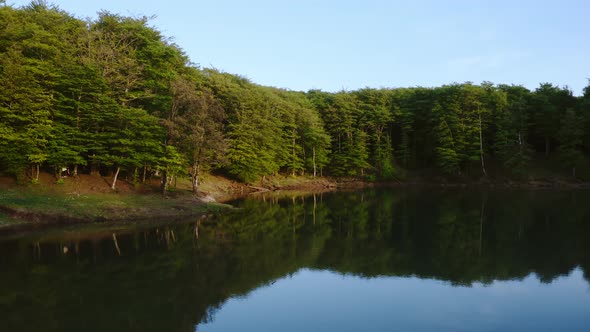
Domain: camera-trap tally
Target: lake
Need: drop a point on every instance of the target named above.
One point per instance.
(371, 260)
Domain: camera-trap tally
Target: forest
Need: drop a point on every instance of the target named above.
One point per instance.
(113, 96)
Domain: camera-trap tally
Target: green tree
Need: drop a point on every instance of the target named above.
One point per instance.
(510, 141)
(135, 135)
(309, 141)
(549, 104)
(24, 112)
(172, 164)
(570, 139)
(197, 128)
(376, 120)
(447, 156)
(476, 113)
(584, 109)
(259, 128)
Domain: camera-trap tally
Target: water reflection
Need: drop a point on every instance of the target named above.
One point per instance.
(320, 300)
(458, 246)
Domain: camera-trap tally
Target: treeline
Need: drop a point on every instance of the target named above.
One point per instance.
(453, 130)
(114, 96)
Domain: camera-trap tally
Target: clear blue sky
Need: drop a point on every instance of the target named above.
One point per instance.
(334, 45)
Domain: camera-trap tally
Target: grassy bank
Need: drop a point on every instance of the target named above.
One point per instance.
(22, 205)
(86, 198)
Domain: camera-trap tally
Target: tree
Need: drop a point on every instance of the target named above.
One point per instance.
(133, 135)
(316, 140)
(447, 156)
(376, 120)
(257, 128)
(198, 128)
(24, 112)
(510, 141)
(309, 142)
(584, 111)
(171, 164)
(476, 116)
(406, 122)
(570, 138)
(549, 104)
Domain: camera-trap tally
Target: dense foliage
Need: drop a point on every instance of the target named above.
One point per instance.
(114, 96)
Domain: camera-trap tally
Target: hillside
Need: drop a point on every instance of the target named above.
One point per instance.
(115, 98)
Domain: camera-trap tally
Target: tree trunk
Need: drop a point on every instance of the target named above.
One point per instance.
(520, 144)
(75, 170)
(144, 171)
(574, 172)
(547, 146)
(195, 179)
(93, 166)
(483, 166)
(115, 178)
(164, 183)
(293, 152)
(314, 165)
(37, 172)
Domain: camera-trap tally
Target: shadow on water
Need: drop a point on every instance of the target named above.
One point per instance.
(173, 277)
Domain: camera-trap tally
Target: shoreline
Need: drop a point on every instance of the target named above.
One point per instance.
(529, 185)
(27, 208)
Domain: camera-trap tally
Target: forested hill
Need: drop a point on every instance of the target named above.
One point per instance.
(114, 96)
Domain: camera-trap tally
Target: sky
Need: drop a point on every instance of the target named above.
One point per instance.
(347, 45)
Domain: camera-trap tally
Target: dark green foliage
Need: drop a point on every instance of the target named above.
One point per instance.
(570, 139)
(256, 131)
(512, 123)
(25, 103)
(447, 157)
(548, 106)
(584, 110)
(196, 127)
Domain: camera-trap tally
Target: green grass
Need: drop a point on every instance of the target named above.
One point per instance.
(111, 206)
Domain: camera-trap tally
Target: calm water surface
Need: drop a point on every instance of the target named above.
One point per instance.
(375, 260)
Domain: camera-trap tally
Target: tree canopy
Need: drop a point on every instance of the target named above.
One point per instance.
(114, 96)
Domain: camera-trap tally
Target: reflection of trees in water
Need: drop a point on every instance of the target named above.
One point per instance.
(173, 277)
(462, 237)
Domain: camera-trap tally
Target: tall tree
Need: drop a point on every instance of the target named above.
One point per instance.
(25, 104)
(549, 104)
(256, 131)
(511, 138)
(584, 109)
(570, 138)
(447, 156)
(198, 128)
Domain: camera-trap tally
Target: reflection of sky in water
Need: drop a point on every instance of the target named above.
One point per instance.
(323, 301)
